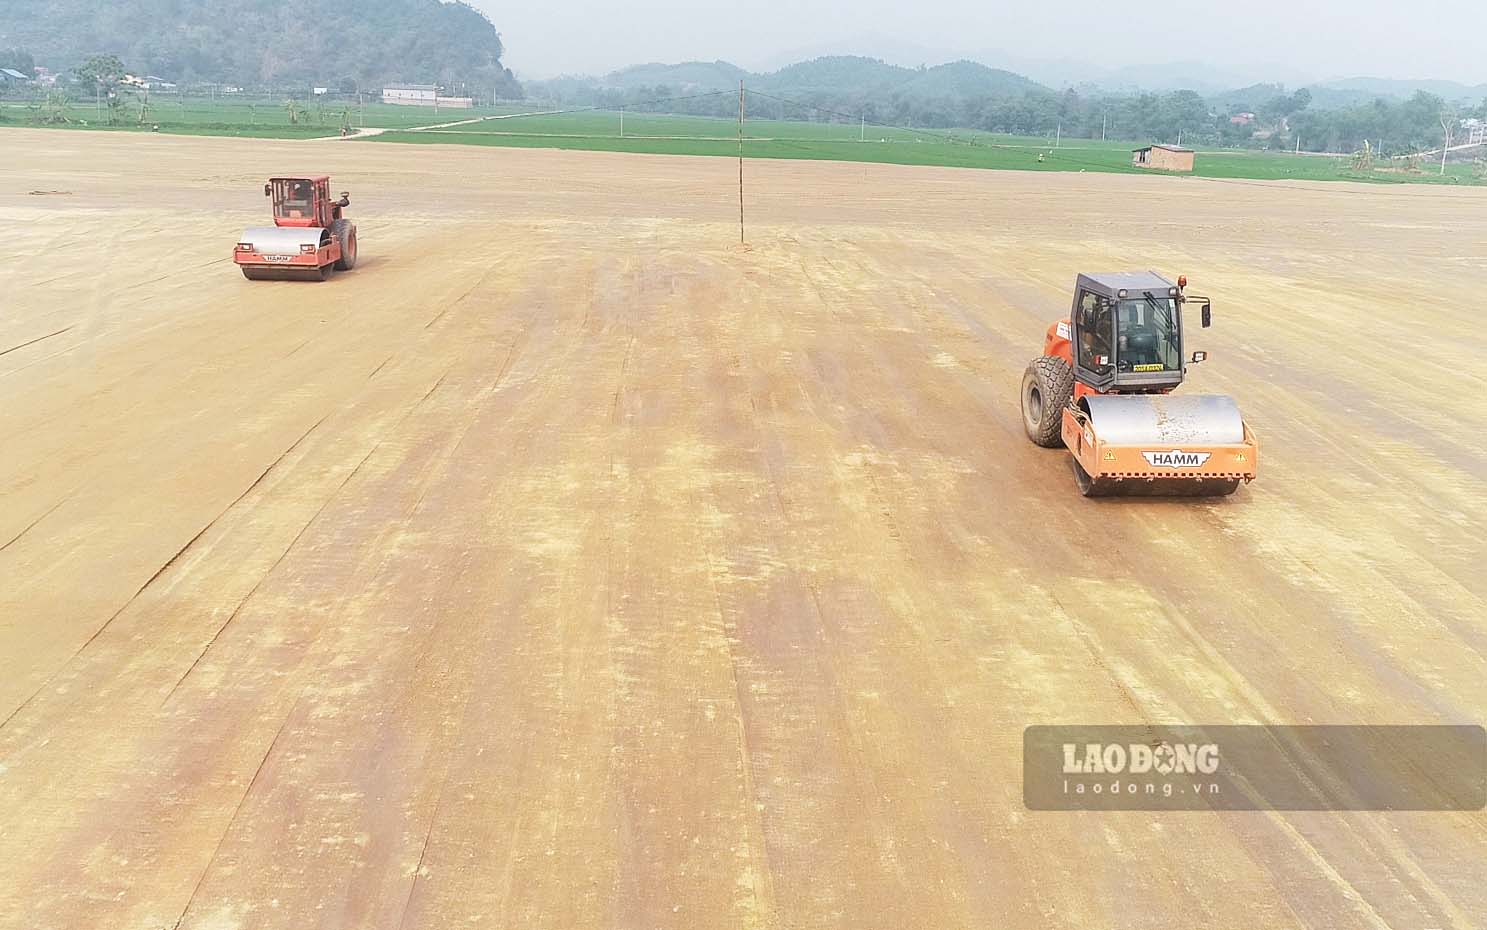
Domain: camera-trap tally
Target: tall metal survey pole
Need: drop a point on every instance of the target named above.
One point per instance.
(740, 163)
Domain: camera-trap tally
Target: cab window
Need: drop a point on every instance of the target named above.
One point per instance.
(1096, 324)
(294, 199)
(1150, 340)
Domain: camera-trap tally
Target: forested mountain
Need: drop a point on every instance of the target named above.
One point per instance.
(268, 42)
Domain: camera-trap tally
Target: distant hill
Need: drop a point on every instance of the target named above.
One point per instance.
(836, 76)
(1369, 87)
(1333, 95)
(1152, 77)
(966, 79)
(1333, 98)
(869, 77)
(1249, 98)
(688, 75)
(268, 42)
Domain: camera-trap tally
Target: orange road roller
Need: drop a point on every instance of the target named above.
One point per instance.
(310, 238)
(1103, 389)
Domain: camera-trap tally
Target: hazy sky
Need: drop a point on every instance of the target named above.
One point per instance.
(1290, 39)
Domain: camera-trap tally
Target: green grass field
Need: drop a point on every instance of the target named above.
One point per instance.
(691, 135)
(258, 118)
(772, 138)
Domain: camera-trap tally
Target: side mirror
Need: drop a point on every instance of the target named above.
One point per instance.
(1200, 357)
(268, 190)
(1207, 315)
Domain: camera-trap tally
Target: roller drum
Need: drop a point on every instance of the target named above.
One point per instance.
(282, 240)
(1165, 419)
(1160, 422)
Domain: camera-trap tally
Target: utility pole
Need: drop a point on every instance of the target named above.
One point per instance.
(1446, 141)
(740, 163)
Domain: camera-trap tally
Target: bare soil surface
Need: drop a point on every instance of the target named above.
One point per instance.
(567, 565)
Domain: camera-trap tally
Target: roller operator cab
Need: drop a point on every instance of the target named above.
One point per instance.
(310, 238)
(1103, 385)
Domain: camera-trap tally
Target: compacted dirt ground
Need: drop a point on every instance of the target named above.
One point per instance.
(567, 565)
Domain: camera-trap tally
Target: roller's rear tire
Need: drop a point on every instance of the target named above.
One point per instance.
(345, 233)
(1047, 386)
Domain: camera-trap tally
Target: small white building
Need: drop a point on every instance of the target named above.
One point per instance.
(418, 95)
(148, 82)
(423, 95)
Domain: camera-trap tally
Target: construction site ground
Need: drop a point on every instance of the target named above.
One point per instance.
(567, 565)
